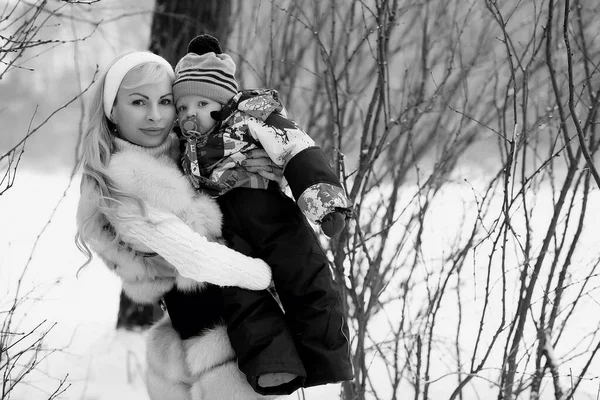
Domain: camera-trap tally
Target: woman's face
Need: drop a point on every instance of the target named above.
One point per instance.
(144, 114)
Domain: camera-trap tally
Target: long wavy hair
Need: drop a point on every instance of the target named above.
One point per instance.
(99, 194)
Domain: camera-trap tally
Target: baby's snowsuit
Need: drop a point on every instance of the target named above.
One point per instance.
(311, 339)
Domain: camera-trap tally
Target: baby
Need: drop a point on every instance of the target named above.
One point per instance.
(309, 344)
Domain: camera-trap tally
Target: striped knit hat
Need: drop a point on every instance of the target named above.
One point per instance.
(205, 71)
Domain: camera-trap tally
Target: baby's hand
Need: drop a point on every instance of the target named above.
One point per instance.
(333, 223)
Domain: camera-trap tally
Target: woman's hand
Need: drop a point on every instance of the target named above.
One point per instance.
(258, 162)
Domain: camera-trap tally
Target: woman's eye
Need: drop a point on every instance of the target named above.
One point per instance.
(166, 102)
(138, 102)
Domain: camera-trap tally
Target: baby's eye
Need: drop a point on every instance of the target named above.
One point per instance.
(181, 108)
(203, 103)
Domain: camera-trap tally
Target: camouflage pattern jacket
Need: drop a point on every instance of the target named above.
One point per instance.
(256, 119)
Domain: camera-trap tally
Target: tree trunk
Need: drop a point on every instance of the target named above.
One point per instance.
(174, 24)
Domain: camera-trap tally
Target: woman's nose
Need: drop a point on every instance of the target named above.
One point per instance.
(153, 113)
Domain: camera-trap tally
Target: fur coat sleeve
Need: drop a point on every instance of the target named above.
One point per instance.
(177, 223)
(144, 279)
(192, 255)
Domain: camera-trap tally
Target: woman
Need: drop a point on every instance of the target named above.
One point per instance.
(140, 215)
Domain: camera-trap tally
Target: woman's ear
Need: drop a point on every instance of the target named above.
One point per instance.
(111, 125)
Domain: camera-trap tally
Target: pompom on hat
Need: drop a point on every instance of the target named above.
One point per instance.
(205, 71)
(120, 68)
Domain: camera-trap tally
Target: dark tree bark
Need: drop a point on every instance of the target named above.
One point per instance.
(174, 24)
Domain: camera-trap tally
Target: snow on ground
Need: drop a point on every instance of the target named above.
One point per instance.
(100, 363)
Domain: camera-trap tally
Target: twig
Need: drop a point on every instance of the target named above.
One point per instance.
(576, 122)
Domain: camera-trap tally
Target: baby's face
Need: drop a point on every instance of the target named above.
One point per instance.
(196, 109)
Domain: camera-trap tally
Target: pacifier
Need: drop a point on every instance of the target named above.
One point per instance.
(190, 127)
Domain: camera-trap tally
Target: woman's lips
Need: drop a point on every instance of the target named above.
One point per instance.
(152, 131)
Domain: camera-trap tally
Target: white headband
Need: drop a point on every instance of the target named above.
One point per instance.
(119, 69)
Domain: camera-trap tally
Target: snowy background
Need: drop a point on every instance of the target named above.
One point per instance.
(38, 257)
(37, 238)
(100, 363)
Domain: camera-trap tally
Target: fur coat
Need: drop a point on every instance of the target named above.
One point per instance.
(199, 368)
(172, 240)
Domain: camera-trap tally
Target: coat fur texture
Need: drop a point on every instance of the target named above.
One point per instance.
(159, 183)
(200, 368)
(203, 367)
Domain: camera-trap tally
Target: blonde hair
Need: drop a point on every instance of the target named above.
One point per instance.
(99, 192)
